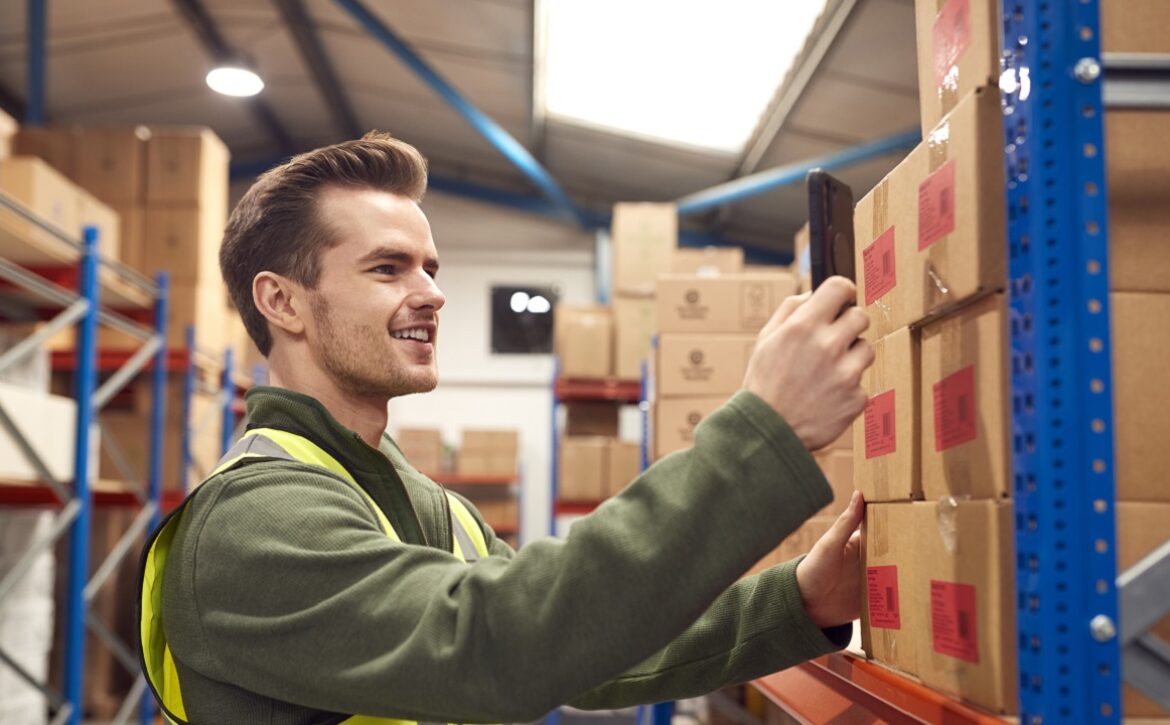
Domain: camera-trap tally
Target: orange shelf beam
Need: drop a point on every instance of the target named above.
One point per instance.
(464, 479)
(575, 508)
(568, 390)
(846, 688)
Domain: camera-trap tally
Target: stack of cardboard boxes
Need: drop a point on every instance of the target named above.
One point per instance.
(932, 450)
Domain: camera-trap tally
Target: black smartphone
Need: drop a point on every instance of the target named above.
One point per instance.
(830, 227)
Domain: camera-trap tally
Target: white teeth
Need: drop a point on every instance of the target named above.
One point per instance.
(412, 334)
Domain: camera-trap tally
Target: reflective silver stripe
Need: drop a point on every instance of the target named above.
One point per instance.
(256, 445)
(470, 553)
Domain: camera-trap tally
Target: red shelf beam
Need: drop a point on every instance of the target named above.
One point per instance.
(40, 496)
(845, 688)
(568, 390)
(575, 508)
(463, 479)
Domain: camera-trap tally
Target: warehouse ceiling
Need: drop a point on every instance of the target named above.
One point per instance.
(144, 61)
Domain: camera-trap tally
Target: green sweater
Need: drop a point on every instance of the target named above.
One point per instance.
(284, 602)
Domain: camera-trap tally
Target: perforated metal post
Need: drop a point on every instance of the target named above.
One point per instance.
(1062, 422)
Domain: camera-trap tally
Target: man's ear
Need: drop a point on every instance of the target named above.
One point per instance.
(279, 299)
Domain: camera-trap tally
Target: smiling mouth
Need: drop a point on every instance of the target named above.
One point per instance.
(417, 334)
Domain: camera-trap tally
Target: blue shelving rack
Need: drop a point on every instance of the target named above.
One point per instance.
(83, 308)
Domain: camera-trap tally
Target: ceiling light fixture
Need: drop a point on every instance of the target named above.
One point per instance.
(234, 78)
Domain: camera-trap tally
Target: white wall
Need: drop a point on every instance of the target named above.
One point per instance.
(481, 246)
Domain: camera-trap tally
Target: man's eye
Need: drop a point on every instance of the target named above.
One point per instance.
(385, 269)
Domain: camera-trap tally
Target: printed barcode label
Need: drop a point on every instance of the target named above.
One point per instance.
(954, 410)
(953, 620)
(880, 433)
(951, 36)
(882, 595)
(936, 205)
(878, 267)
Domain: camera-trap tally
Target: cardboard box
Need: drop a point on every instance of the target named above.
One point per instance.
(1137, 145)
(838, 469)
(186, 166)
(184, 241)
(91, 211)
(48, 422)
(423, 447)
(623, 466)
(708, 261)
(583, 468)
(52, 144)
(583, 341)
(675, 420)
(951, 563)
(886, 437)
(797, 543)
(500, 513)
(696, 365)
(963, 403)
(110, 162)
(930, 237)
(1134, 26)
(132, 433)
(644, 238)
(488, 452)
(727, 304)
(589, 418)
(958, 51)
(801, 259)
(1141, 528)
(132, 228)
(1141, 403)
(45, 192)
(634, 328)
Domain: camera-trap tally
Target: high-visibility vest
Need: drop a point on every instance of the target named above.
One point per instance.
(157, 662)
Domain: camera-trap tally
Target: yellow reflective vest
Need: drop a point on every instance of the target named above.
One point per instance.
(261, 443)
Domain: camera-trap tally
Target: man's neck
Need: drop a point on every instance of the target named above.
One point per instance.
(365, 415)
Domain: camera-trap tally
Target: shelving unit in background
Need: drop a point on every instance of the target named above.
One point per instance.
(485, 491)
(46, 255)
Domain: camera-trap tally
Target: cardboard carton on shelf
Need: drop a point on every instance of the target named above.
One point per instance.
(490, 453)
(675, 420)
(42, 418)
(184, 241)
(838, 469)
(801, 259)
(930, 236)
(45, 192)
(110, 162)
(186, 166)
(591, 418)
(1141, 403)
(1137, 153)
(963, 403)
(583, 468)
(52, 144)
(624, 464)
(691, 365)
(92, 212)
(644, 238)
(583, 340)
(887, 435)
(940, 596)
(707, 261)
(423, 448)
(740, 303)
(1135, 26)
(132, 236)
(958, 51)
(131, 430)
(634, 328)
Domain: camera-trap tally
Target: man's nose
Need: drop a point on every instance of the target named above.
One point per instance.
(428, 295)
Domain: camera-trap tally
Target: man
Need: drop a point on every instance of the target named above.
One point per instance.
(316, 576)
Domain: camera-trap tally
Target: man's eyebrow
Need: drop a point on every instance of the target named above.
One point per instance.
(397, 255)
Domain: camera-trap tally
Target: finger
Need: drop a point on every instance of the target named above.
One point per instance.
(846, 524)
(784, 311)
(826, 303)
(856, 360)
(848, 327)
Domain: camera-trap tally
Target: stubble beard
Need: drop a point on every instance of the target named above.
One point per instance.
(354, 358)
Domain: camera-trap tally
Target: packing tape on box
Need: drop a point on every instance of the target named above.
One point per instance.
(879, 534)
(938, 153)
(947, 511)
(952, 25)
(881, 222)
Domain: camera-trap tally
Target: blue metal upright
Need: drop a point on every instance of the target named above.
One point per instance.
(188, 395)
(228, 391)
(1062, 420)
(84, 386)
(34, 109)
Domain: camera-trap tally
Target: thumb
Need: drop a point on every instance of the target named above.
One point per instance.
(838, 534)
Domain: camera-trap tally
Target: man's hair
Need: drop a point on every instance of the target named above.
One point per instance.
(277, 226)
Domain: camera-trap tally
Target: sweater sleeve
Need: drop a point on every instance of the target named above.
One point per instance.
(297, 595)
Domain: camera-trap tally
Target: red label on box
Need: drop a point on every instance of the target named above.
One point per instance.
(953, 628)
(952, 35)
(882, 593)
(880, 438)
(954, 410)
(878, 267)
(936, 205)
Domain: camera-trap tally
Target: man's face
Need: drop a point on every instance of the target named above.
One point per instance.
(375, 309)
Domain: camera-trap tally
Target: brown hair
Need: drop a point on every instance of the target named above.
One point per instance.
(276, 227)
